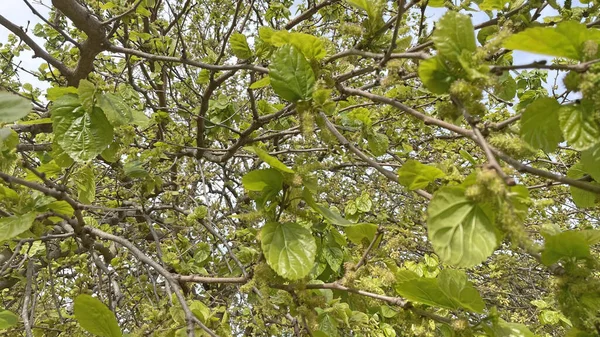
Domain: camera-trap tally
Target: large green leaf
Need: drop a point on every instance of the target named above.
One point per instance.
(81, 134)
(95, 317)
(454, 34)
(539, 124)
(12, 226)
(436, 75)
(13, 107)
(461, 231)
(415, 175)
(450, 290)
(258, 180)
(8, 319)
(569, 244)
(565, 40)
(289, 249)
(590, 161)
(116, 110)
(239, 46)
(581, 198)
(270, 160)
(579, 125)
(292, 77)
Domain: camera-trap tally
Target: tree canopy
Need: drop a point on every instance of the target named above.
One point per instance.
(363, 168)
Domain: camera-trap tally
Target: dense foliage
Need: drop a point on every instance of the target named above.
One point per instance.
(279, 168)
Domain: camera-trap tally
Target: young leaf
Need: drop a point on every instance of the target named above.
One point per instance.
(14, 225)
(565, 40)
(590, 161)
(436, 75)
(7, 319)
(461, 231)
(455, 285)
(87, 94)
(539, 124)
(450, 290)
(569, 244)
(86, 184)
(263, 82)
(239, 46)
(454, 34)
(267, 158)
(579, 125)
(581, 198)
(292, 77)
(310, 46)
(289, 248)
(378, 143)
(95, 317)
(258, 180)
(361, 233)
(415, 175)
(13, 107)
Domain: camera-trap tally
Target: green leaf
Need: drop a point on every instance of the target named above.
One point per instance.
(506, 88)
(263, 82)
(505, 329)
(333, 217)
(436, 75)
(14, 225)
(57, 92)
(454, 34)
(239, 46)
(590, 161)
(289, 249)
(539, 124)
(13, 107)
(258, 180)
(450, 290)
(200, 310)
(87, 94)
(565, 40)
(86, 184)
(361, 233)
(8, 319)
(9, 139)
(569, 244)
(579, 125)
(116, 110)
(581, 198)
(292, 77)
(463, 294)
(135, 169)
(415, 175)
(461, 231)
(95, 317)
(267, 158)
(334, 256)
(310, 46)
(81, 134)
(378, 143)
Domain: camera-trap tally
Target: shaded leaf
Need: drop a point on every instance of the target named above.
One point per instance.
(13, 107)
(292, 77)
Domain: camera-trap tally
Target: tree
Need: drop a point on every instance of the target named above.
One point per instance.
(281, 168)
